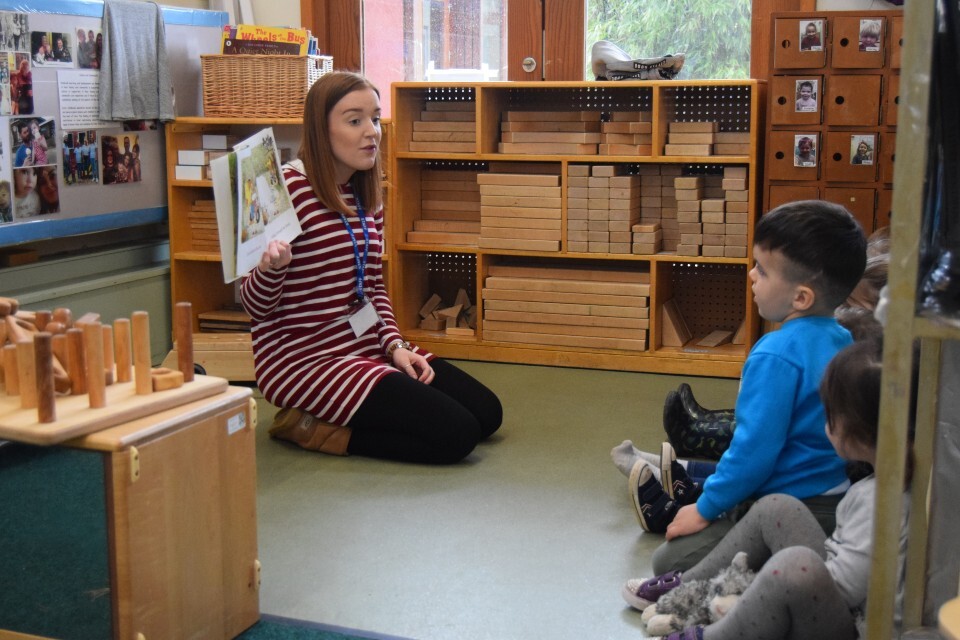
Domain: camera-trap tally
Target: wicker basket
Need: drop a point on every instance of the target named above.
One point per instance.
(260, 86)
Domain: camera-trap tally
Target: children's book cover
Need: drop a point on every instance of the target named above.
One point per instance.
(253, 205)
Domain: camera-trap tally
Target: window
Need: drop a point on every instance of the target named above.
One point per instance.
(714, 34)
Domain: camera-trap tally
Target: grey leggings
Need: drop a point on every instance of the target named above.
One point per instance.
(793, 596)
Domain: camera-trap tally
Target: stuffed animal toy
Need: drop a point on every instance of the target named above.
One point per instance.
(699, 601)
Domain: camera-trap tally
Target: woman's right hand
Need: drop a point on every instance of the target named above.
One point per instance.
(276, 256)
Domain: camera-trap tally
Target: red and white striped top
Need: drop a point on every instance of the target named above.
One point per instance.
(305, 353)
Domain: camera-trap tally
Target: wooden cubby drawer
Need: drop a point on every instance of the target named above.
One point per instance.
(790, 51)
(858, 42)
(785, 98)
(852, 100)
(840, 160)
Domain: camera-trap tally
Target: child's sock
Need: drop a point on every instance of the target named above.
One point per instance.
(625, 455)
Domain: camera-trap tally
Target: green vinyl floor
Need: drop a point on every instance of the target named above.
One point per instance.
(531, 537)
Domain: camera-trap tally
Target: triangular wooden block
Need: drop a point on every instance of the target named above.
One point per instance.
(674, 332)
(740, 337)
(715, 338)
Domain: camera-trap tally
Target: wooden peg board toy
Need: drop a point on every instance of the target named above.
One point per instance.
(92, 390)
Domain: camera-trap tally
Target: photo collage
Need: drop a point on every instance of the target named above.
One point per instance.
(37, 159)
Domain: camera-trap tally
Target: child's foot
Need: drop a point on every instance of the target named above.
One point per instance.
(640, 593)
(673, 476)
(625, 455)
(654, 508)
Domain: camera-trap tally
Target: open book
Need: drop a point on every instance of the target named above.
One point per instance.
(253, 205)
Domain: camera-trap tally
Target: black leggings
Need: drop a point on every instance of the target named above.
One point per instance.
(439, 423)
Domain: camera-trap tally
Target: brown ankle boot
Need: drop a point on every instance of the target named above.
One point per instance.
(310, 433)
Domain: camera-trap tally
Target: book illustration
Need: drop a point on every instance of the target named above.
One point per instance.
(252, 202)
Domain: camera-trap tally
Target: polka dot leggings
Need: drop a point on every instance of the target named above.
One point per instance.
(793, 596)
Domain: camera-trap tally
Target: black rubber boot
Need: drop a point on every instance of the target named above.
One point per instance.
(696, 432)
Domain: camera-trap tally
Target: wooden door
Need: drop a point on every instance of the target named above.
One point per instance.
(550, 32)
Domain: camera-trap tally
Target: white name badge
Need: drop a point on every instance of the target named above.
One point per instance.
(363, 318)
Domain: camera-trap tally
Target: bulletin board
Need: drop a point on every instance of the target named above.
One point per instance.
(91, 196)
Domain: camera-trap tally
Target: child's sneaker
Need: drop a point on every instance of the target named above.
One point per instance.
(654, 508)
(640, 593)
(690, 633)
(677, 484)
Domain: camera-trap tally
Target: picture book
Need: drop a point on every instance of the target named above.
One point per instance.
(256, 39)
(252, 202)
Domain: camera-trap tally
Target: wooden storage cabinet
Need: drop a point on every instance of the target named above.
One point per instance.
(857, 92)
(437, 183)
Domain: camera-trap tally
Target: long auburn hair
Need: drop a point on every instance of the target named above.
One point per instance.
(317, 153)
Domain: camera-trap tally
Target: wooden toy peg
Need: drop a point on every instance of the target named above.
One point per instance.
(93, 348)
(8, 306)
(77, 361)
(121, 343)
(163, 379)
(87, 318)
(183, 325)
(46, 396)
(55, 327)
(60, 349)
(11, 373)
(140, 322)
(63, 316)
(42, 319)
(26, 368)
(108, 353)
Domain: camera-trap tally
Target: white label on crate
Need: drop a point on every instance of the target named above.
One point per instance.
(236, 423)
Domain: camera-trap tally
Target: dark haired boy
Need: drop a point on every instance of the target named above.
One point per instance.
(809, 256)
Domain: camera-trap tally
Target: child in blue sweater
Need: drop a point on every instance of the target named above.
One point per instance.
(809, 256)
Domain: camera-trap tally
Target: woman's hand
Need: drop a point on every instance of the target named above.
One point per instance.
(413, 364)
(276, 256)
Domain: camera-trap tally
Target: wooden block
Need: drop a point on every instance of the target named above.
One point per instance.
(578, 170)
(544, 148)
(713, 204)
(140, 321)
(520, 245)
(460, 331)
(551, 137)
(734, 172)
(734, 137)
(430, 306)
(734, 252)
(674, 332)
(734, 184)
(519, 179)
(715, 339)
(688, 250)
(688, 182)
(444, 147)
(690, 138)
(551, 116)
(688, 149)
(740, 336)
(435, 237)
(463, 299)
(591, 274)
(738, 196)
(709, 251)
(550, 125)
(449, 312)
(162, 379)
(692, 127)
(433, 323)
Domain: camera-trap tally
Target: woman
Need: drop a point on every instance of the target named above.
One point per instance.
(109, 166)
(326, 346)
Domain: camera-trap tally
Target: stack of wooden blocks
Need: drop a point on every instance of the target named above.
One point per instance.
(203, 226)
(194, 164)
(690, 139)
(458, 319)
(567, 307)
(713, 214)
(520, 211)
(601, 214)
(658, 209)
(627, 133)
(550, 132)
(449, 209)
(446, 127)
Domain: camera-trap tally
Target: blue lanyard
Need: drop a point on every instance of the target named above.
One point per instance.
(361, 264)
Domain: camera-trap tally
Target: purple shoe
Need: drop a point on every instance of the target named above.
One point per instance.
(640, 593)
(690, 633)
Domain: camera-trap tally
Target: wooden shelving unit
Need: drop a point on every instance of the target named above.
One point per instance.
(197, 276)
(711, 292)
